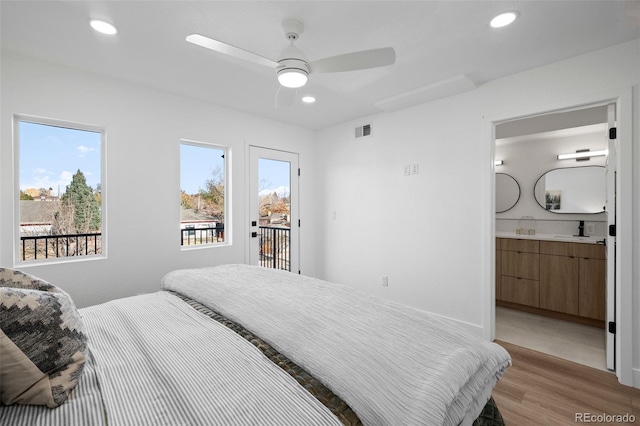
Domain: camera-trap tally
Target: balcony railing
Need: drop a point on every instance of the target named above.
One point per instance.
(274, 247)
(196, 236)
(52, 246)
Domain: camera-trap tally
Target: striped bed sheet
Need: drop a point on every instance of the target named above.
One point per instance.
(157, 361)
(392, 364)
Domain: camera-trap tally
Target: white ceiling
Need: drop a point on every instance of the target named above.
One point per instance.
(435, 41)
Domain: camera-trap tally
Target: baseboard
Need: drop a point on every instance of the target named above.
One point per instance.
(636, 378)
(474, 329)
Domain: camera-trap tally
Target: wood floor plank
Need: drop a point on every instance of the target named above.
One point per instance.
(540, 389)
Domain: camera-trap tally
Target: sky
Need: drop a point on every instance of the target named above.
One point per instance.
(274, 176)
(197, 164)
(50, 156)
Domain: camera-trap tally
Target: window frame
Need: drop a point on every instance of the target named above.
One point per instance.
(227, 193)
(67, 124)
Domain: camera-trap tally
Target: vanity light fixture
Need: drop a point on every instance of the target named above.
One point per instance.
(103, 27)
(499, 162)
(582, 154)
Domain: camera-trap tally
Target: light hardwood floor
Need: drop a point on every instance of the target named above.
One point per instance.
(540, 389)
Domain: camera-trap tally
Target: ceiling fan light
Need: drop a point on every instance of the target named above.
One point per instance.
(504, 19)
(292, 78)
(103, 27)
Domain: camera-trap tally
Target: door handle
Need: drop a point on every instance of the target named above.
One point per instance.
(254, 234)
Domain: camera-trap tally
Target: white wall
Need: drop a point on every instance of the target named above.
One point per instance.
(143, 129)
(526, 159)
(427, 231)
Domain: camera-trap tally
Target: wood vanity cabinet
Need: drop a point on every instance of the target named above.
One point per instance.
(572, 278)
(563, 277)
(520, 271)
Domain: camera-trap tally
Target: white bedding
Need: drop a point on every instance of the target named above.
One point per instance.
(159, 362)
(392, 364)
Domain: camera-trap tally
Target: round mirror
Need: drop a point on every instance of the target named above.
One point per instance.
(507, 192)
(572, 190)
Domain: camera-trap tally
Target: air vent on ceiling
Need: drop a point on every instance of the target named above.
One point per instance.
(363, 131)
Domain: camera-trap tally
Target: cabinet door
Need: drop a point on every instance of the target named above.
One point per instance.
(559, 277)
(520, 290)
(521, 265)
(592, 288)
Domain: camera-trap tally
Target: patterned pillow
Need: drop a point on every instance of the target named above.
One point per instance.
(43, 344)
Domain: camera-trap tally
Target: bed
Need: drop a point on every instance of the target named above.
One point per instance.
(245, 345)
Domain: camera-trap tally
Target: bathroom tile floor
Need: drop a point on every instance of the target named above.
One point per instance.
(575, 342)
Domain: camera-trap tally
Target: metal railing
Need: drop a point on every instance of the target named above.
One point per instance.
(53, 246)
(274, 247)
(195, 236)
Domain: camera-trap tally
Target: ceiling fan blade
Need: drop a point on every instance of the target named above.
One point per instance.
(285, 96)
(355, 61)
(230, 50)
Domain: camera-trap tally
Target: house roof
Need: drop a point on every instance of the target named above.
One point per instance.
(190, 215)
(442, 47)
(37, 212)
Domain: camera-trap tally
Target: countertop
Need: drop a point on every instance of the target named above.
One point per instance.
(551, 237)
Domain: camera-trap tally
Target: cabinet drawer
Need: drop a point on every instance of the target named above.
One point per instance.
(521, 265)
(558, 248)
(590, 251)
(519, 290)
(525, 246)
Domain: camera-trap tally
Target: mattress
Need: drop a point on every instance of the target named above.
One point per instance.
(390, 363)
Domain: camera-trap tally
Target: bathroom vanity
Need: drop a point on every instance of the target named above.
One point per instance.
(553, 275)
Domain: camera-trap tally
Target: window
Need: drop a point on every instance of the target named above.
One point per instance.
(60, 190)
(203, 194)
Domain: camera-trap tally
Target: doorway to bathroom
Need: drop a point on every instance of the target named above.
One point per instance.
(554, 204)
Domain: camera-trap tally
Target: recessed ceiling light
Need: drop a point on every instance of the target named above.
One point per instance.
(504, 19)
(308, 99)
(103, 27)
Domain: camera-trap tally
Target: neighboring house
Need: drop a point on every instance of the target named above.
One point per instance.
(191, 219)
(36, 217)
(39, 194)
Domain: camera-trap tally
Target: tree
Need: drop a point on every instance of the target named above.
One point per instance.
(79, 208)
(186, 200)
(25, 196)
(213, 195)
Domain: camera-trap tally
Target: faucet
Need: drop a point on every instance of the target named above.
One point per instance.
(581, 230)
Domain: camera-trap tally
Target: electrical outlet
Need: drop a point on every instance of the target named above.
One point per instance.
(385, 280)
(590, 228)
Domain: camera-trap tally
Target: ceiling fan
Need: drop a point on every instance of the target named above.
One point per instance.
(292, 66)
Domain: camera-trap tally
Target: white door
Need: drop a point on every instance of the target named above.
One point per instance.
(273, 222)
(611, 239)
